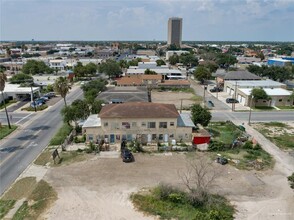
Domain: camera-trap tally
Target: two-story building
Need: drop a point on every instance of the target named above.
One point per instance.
(143, 121)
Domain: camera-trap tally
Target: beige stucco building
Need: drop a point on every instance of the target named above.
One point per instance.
(143, 121)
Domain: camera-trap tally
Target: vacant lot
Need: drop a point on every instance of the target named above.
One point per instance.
(100, 188)
(279, 133)
(166, 97)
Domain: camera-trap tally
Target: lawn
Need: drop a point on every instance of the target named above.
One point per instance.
(268, 108)
(4, 130)
(38, 197)
(286, 107)
(279, 133)
(66, 157)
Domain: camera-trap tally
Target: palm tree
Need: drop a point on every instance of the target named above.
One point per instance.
(62, 87)
(3, 79)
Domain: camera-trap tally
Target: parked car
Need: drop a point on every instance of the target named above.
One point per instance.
(216, 89)
(127, 156)
(33, 104)
(50, 94)
(40, 100)
(231, 100)
(46, 98)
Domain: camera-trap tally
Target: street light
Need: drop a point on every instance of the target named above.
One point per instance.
(249, 119)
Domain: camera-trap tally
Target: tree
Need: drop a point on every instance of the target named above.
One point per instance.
(200, 115)
(259, 93)
(174, 59)
(150, 72)
(210, 65)
(201, 74)
(96, 106)
(110, 68)
(188, 59)
(160, 62)
(93, 88)
(62, 86)
(21, 78)
(225, 60)
(199, 176)
(3, 80)
(34, 67)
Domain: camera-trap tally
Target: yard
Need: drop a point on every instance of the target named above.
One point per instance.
(186, 99)
(280, 134)
(244, 155)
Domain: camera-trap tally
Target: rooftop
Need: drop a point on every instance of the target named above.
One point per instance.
(241, 75)
(270, 92)
(184, 120)
(256, 83)
(92, 121)
(139, 110)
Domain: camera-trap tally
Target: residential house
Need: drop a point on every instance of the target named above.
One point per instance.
(143, 121)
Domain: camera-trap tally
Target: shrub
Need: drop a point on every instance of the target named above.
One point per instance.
(291, 180)
(216, 146)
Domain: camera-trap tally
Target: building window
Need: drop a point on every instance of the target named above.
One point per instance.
(151, 124)
(280, 100)
(143, 124)
(134, 124)
(105, 124)
(153, 137)
(172, 124)
(125, 125)
(160, 137)
(171, 135)
(90, 137)
(162, 124)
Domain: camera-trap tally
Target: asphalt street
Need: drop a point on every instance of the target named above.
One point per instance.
(18, 150)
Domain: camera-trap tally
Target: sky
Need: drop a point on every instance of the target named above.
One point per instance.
(113, 20)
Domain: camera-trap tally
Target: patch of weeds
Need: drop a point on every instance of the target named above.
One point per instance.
(5, 206)
(61, 135)
(44, 158)
(291, 180)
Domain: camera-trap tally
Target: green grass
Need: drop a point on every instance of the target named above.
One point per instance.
(5, 206)
(283, 139)
(224, 132)
(176, 205)
(40, 199)
(186, 90)
(8, 103)
(248, 156)
(61, 135)
(38, 108)
(5, 131)
(268, 108)
(66, 157)
(286, 107)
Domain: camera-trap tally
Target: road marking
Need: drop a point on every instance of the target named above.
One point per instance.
(30, 142)
(23, 118)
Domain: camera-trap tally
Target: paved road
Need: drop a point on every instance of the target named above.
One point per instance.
(255, 116)
(19, 149)
(17, 118)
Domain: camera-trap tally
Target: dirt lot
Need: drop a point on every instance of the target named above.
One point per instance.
(173, 98)
(100, 188)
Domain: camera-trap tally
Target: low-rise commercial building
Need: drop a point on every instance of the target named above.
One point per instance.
(146, 122)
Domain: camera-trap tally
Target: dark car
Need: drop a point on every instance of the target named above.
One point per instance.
(231, 100)
(127, 156)
(216, 89)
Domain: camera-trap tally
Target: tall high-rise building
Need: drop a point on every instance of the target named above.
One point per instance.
(175, 31)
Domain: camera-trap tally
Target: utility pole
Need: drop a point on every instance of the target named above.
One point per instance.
(235, 96)
(181, 105)
(249, 119)
(204, 88)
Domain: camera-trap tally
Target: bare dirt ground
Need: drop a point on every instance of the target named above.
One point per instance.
(100, 188)
(173, 98)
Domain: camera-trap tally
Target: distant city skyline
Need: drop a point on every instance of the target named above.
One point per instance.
(118, 20)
